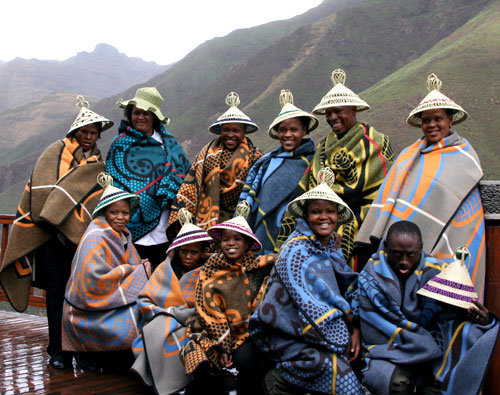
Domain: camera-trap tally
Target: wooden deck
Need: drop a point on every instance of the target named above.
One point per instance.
(25, 365)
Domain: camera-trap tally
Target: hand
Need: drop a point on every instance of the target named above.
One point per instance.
(337, 240)
(480, 315)
(143, 261)
(354, 348)
(226, 360)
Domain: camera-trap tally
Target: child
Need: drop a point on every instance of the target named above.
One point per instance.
(306, 323)
(100, 313)
(227, 288)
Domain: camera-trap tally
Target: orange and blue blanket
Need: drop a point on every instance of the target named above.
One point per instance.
(435, 187)
(100, 310)
(166, 304)
(300, 323)
(400, 327)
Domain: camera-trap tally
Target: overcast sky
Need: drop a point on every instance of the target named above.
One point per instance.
(163, 31)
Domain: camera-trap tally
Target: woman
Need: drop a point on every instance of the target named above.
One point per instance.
(52, 215)
(147, 160)
(307, 322)
(100, 315)
(434, 183)
(214, 182)
(265, 189)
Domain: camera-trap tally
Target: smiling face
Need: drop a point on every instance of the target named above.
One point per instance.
(234, 245)
(117, 214)
(322, 217)
(142, 121)
(290, 134)
(341, 119)
(190, 256)
(87, 136)
(403, 253)
(232, 135)
(436, 124)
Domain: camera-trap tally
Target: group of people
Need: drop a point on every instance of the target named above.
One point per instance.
(309, 269)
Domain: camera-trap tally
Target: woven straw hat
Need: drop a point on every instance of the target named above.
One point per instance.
(238, 224)
(340, 95)
(189, 233)
(86, 116)
(233, 115)
(288, 110)
(111, 194)
(453, 285)
(323, 191)
(435, 99)
(147, 99)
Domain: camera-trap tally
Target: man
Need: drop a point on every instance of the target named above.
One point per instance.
(359, 156)
(412, 341)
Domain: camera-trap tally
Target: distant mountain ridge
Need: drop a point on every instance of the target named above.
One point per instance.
(100, 73)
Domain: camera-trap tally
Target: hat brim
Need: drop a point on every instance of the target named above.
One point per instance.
(216, 233)
(415, 117)
(101, 206)
(194, 236)
(250, 127)
(105, 125)
(273, 128)
(465, 304)
(146, 106)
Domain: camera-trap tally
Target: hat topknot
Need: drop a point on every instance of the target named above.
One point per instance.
(233, 115)
(86, 117)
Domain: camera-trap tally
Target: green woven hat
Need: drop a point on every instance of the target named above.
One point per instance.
(288, 110)
(86, 117)
(233, 115)
(147, 99)
(111, 194)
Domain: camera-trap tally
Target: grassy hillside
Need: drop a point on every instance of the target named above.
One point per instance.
(467, 63)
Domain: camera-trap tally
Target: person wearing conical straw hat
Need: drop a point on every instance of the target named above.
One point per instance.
(213, 185)
(265, 189)
(359, 156)
(410, 325)
(52, 215)
(100, 313)
(145, 159)
(424, 185)
(307, 322)
(227, 292)
(166, 303)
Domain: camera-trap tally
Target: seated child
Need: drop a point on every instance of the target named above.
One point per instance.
(166, 304)
(100, 312)
(307, 320)
(226, 294)
(411, 341)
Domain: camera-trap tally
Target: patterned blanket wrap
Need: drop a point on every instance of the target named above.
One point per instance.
(141, 165)
(400, 327)
(226, 296)
(300, 323)
(59, 198)
(425, 187)
(213, 184)
(166, 304)
(100, 312)
(272, 183)
(360, 160)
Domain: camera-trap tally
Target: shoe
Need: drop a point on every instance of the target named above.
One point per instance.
(60, 362)
(86, 363)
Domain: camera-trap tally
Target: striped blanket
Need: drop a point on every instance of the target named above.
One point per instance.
(100, 312)
(213, 185)
(154, 171)
(59, 198)
(400, 327)
(435, 187)
(300, 323)
(166, 304)
(360, 160)
(271, 184)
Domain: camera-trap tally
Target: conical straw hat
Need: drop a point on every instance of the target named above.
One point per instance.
(238, 224)
(86, 116)
(435, 99)
(453, 285)
(233, 115)
(147, 99)
(111, 194)
(189, 233)
(323, 191)
(340, 95)
(288, 110)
